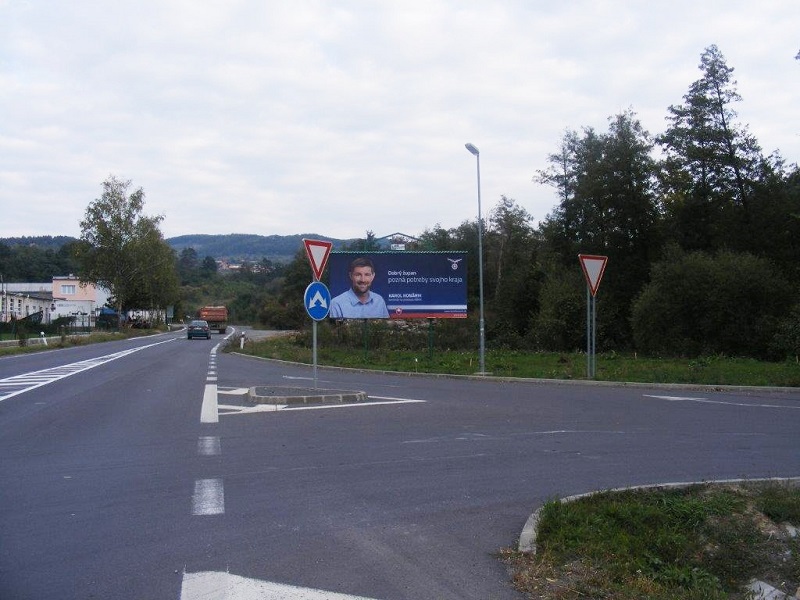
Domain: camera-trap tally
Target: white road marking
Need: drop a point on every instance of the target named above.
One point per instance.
(230, 409)
(233, 391)
(391, 401)
(208, 497)
(707, 401)
(209, 412)
(18, 384)
(209, 445)
(233, 409)
(215, 585)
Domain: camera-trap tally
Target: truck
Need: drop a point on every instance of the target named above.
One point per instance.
(216, 316)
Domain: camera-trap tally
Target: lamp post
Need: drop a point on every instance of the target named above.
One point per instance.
(476, 153)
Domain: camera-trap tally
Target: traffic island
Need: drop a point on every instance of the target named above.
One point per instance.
(271, 394)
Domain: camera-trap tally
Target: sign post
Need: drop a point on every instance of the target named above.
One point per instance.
(317, 297)
(593, 269)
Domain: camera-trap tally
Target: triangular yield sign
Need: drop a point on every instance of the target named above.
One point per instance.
(317, 252)
(593, 268)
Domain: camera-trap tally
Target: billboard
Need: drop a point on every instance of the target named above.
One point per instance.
(398, 285)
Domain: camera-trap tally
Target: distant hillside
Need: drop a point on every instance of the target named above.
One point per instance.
(240, 246)
(233, 246)
(45, 242)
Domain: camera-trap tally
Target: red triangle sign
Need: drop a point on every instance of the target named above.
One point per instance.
(593, 269)
(317, 252)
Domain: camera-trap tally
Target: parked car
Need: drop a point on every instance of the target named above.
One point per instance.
(198, 328)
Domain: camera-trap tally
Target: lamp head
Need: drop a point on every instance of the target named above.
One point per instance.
(472, 149)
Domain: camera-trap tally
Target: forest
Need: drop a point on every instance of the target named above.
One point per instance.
(701, 228)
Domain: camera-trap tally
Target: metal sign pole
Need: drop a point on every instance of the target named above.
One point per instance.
(588, 332)
(314, 351)
(594, 337)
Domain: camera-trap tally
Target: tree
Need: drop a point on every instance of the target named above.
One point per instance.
(711, 164)
(365, 244)
(606, 186)
(188, 265)
(208, 268)
(124, 251)
(511, 267)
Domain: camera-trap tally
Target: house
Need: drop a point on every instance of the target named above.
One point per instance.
(71, 298)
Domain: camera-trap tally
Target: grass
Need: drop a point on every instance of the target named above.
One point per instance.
(714, 370)
(701, 542)
(34, 344)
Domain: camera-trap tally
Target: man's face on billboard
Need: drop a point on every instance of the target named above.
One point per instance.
(361, 279)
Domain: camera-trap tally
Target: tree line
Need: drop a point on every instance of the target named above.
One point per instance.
(702, 231)
(701, 228)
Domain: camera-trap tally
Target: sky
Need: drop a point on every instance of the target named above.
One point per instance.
(337, 118)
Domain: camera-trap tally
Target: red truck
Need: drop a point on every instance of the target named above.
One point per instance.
(216, 316)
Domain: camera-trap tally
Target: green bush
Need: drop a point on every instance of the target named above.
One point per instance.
(701, 304)
(560, 324)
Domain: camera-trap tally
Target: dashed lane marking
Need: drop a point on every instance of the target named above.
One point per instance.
(209, 497)
(209, 445)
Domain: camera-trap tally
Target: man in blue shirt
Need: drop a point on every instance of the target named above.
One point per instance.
(358, 302)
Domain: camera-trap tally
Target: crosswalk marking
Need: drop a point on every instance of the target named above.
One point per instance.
(19, 384)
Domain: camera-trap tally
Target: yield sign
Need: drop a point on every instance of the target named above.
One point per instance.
(317, 252)
(593, 268)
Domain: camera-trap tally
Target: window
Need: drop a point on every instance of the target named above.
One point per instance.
(68, 290)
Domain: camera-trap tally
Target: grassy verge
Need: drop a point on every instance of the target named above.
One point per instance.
(715, 370)
(36, 345)
(702, 542)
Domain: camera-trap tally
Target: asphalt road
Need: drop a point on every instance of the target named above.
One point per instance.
(145, 475)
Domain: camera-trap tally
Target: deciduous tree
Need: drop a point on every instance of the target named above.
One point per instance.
(123, 249)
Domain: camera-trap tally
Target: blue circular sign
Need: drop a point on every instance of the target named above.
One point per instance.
(317, 300)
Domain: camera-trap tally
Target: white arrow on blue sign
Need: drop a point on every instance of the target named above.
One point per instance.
(317, 300)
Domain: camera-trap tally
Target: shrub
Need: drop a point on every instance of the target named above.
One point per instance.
(697, 303)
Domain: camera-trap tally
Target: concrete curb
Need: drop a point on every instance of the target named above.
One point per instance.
(264, 394)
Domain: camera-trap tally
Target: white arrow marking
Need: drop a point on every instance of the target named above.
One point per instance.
(211, 585)
(674, 398)
(233, 391)
(707, 401)
(318, 300)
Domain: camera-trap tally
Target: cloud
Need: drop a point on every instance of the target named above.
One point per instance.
(337, 118)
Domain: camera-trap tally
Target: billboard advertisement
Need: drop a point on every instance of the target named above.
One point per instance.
(398, 285)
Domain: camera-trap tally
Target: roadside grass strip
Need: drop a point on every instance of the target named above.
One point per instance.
(19, 384)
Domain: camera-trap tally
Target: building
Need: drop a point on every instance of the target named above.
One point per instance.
(20, 304)
(64, 296)
(71, 298)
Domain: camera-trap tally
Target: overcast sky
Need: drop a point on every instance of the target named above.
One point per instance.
(268, 117)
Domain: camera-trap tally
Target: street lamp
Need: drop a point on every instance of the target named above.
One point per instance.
(476, 153)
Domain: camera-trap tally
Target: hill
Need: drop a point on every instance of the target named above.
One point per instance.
(240, 246)
(233, 246)
(45, 242)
